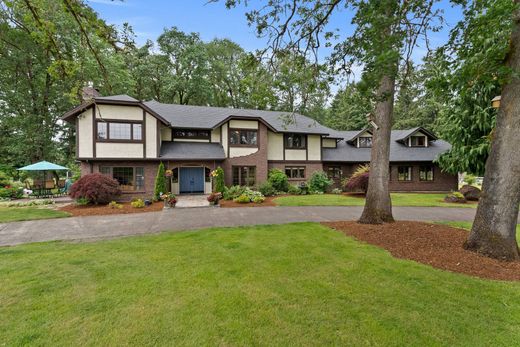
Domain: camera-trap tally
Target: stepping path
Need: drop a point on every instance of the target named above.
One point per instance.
(100, 227)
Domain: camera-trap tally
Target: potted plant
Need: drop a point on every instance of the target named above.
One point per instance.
(169, 200)
(214, 198)
(168, 173)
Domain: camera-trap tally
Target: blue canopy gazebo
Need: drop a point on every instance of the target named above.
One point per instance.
(43, 166)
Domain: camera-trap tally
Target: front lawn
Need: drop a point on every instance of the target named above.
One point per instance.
(294, 284)
(13, 214)
(398, 199)
(467, 226)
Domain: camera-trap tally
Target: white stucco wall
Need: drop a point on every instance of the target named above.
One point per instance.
(295, 154)
(166, 133)
(241, 151)
(215, 135)
(329, 143)
(119, 150)
(85, 140)
(243, 124)
(274, 146)
(225, 138)
(151, 136)
(314, 147)
(119, 112)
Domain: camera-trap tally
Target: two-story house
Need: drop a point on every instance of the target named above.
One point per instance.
(126, 139)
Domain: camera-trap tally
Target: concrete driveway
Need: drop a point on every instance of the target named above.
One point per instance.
(100, 227)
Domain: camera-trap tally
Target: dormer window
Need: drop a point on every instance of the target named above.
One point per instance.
(418, 141)
(364, 142)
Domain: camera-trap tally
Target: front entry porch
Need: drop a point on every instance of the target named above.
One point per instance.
(187, 201)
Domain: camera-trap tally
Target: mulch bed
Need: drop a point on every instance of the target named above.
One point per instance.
(230, 203)
(98, 210)
(439, 246)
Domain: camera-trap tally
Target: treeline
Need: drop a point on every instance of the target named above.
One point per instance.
(50, 49)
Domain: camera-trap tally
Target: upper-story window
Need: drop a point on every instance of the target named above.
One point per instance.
(191, 134)
(243, 137)
(418, 141)
(365, 141)
(119, 131)
(295, 141)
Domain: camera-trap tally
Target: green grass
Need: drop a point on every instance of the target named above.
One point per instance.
(12, 214)
(467, 226)
(398, 199)
(290, 285)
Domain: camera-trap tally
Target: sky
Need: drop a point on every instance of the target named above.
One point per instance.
(212, 20)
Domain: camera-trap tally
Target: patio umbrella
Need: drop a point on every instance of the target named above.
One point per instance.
(43, 166)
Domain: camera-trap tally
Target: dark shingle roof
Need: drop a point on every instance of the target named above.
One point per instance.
(188, 116)
(398, 152)
(192, 150)
(121, 97)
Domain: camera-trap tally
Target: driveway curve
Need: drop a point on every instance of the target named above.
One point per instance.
(100, 227)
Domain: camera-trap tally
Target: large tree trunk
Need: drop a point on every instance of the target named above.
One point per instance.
(378, 205)
(494, 229)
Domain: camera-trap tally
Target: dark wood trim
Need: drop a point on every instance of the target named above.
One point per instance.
(220, 135)
(259, 119)
(294, 162)
(94, 131)
(76, 125)
(146, 159)
(117, 120)
(283, 142)
(143, 127)
(240, 145)
(158, 137)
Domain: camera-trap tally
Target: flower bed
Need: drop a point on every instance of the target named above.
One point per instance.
(98, 210)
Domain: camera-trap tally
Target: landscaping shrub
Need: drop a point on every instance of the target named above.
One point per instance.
(218, 174)
(160, 182)
(455, 197)
(337, 191)
(294, 190)
(471, 193)
(304, 188)
(359, 179)
(267, 189)
(242, 199)
(214, 198)
(319, 182)
(252, 194)
(27, 203)
(470, 179)
(137, 203)
(233, 192)
(82, 201)
(8, 192)
(258, 199)
(95, 188)
(115, 205)
(4, 179)
(278, 180)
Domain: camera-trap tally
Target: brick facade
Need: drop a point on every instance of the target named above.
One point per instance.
(442, 181)
(258, 159)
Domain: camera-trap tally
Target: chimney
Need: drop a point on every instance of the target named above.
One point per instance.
(89, 92)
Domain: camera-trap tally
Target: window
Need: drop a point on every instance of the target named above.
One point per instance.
(334, 172)
(365, 141)
(295, 172)
(102, 131)
(243, 137)
(137, 131)
(119, 131)
(426, 173)
(404, 173)
(418, 141)
(295, 141)
(129, 178)
(244, 175)
(191, 134)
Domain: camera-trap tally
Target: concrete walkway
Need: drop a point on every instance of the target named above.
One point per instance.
(99, 227)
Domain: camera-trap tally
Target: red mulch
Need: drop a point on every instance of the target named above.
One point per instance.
(439, 246)
(97, 210)
(230, 203)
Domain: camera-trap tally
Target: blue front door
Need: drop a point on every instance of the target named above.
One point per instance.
(191, 180)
